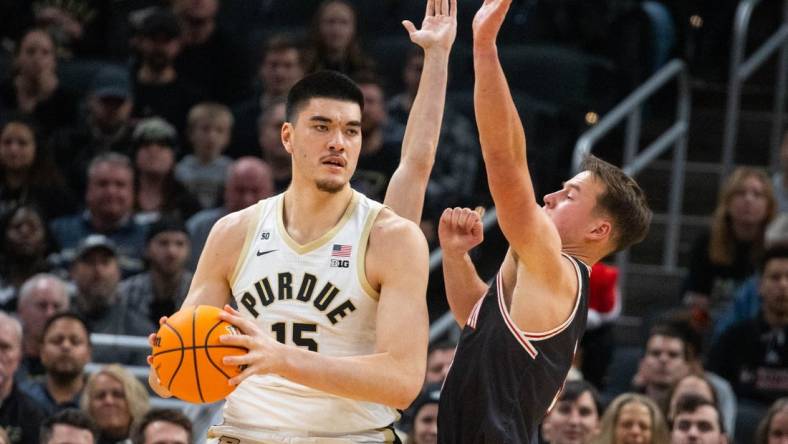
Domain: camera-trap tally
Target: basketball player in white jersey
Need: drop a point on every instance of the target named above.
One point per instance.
(329, 284)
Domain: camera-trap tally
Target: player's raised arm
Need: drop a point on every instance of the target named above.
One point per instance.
(461, 230)
(393, 373)
(526, 227)
(408, 184)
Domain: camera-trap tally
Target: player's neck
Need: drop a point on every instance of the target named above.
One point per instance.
(584, 254)
(308, 214)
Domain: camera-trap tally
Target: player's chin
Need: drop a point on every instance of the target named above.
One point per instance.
(331, 184)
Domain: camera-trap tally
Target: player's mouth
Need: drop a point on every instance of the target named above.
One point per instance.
(334, 162)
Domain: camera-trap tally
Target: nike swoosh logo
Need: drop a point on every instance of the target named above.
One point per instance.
(260, 253)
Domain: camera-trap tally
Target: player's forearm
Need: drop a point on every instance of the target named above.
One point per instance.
(464, 287)
(380, 378)
(426, 114)
(500, 130)
(409, 183)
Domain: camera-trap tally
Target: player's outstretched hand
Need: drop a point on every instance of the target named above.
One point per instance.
(439, 27)
(153, 378)
(265, 354)
(460, 230)
(488, 21)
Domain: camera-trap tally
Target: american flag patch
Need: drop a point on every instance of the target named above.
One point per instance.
(341, 250)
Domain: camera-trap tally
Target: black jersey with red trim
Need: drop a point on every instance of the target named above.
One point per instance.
(503, 380)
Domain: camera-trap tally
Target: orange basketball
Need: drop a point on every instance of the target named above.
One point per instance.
(188, 356)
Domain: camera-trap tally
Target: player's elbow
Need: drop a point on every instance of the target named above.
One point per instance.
(409, 388)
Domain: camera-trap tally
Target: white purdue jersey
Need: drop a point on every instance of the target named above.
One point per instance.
(314, 296)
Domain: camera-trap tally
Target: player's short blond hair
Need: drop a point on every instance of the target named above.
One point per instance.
(210, 111)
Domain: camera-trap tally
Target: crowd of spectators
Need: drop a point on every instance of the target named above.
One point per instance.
(126, 133)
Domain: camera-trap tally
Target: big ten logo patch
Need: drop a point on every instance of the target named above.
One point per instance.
(340, 263)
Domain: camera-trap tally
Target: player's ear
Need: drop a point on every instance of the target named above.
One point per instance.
(287, 136)
(602, 230)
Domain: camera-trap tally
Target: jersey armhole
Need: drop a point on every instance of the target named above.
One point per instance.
(251, 229)
(361, 266)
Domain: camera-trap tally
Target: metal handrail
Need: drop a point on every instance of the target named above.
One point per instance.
(631, 109)
(740, 70)
(634, 162)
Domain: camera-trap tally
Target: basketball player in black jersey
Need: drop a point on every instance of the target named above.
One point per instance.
(519, 336)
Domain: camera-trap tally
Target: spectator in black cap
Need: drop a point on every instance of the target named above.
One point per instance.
(158, 192)
(107, 126)
(96, 275)
(425, 416)
(158, 87)
(160, 291)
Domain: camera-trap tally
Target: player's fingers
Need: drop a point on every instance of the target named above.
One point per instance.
(446, 216)
(472, 221)
(248, 371)
(453, 8)
(444, 7)
(409, 26)
(238, 360)
(455, 216)
(163, 320)
(246, 326)
(430, 8)
(244, 341)
(462, 219)
(152, 339)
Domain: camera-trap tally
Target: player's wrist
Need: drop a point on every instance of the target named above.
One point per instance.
(437, 52)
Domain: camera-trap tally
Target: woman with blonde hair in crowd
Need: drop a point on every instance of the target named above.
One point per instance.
(633, 419)
(115, 400)
(773, 429)
(727, 254)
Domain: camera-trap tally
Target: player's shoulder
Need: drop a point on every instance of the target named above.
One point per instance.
(237, 220)
(391, 230)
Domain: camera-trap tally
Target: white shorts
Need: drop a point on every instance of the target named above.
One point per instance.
(222, 434)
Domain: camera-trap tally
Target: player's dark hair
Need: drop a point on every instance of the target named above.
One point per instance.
(65, 315)
(778, 251)
(71, 417)
(574, 389)
(324, 85)
(690, 403)
(623, 200)
(165, 415)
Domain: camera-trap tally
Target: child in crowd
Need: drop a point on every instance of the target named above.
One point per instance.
(203, 173)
